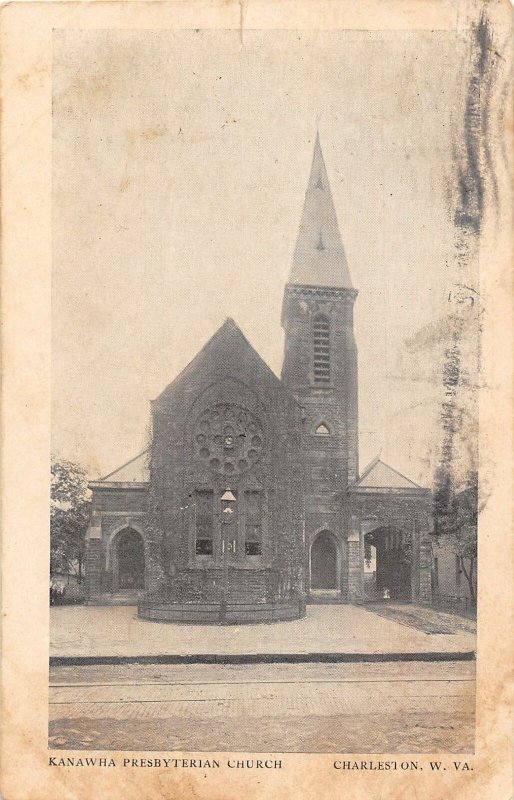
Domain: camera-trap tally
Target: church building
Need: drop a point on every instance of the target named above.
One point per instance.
(250, 502)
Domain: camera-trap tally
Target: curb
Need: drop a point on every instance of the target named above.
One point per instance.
(261, 658)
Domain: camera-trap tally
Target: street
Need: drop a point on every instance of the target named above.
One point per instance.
(342, 708)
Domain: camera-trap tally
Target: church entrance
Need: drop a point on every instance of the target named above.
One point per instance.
(131, 560)
(324, 562)
(389, 551)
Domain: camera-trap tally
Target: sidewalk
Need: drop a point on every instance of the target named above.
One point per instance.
(99, 634)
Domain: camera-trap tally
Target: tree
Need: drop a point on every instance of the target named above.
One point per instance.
(70, 508)
(456, 519)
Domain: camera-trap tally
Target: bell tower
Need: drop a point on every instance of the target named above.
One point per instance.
(320, 359)
(320, 365)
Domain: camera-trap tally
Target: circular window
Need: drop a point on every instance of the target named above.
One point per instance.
(230, 437)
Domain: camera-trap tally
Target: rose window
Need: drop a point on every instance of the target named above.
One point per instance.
(228, 439)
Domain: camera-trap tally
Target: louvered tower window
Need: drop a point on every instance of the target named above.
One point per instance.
(321, 349)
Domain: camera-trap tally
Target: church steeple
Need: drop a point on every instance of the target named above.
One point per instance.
(320, 355)
(319, 257)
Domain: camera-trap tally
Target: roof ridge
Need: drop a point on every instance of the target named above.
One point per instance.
(231, 325)
(118, 469)
(229, 322)
(400, 474)
(378, 460)
(369, 467)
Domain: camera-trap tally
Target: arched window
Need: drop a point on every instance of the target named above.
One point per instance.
(322, 430)
(204, 516)
(253, 523)
(321, 335)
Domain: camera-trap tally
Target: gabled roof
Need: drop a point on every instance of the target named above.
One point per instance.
(134, 470)
(228, 339)
(379, 475)
(319, 258)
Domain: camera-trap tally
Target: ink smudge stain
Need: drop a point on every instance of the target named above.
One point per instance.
(473, 191)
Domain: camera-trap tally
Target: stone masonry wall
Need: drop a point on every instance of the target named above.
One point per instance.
(330, 463)
(113, 507)
(227, 373)
(408, 511)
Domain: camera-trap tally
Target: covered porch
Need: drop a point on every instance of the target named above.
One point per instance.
(389, 537)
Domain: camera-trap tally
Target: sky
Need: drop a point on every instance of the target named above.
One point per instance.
(180, 163)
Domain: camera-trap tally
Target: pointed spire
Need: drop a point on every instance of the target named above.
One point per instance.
(319, 258)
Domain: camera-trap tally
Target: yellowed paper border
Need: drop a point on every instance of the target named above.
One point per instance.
(26, 268)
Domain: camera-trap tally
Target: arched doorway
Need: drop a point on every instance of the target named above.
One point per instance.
(324, 562)
(393, 558)
(130, 560)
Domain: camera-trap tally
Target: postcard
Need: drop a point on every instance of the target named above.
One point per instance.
(257, 400)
